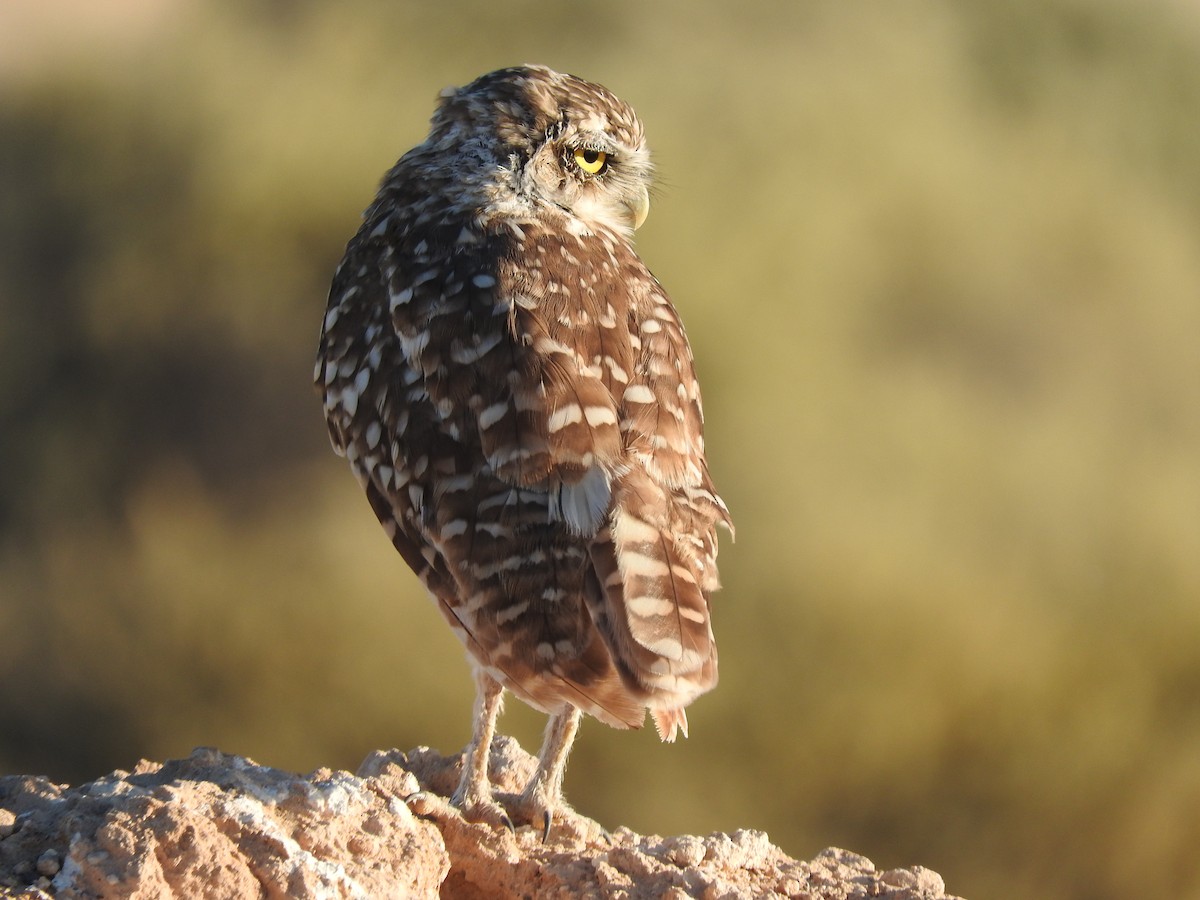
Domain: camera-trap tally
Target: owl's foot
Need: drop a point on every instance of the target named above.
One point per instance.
(481, 809)
(541, 804)
(549, 815)
(473, 797)
(429, 805)
(546, 818)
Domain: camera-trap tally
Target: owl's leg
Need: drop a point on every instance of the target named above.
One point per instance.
(474, 793)
(542, 800)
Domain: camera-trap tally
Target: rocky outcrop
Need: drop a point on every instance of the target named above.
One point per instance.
(215, 825)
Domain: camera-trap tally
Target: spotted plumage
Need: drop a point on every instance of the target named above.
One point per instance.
(515, 393)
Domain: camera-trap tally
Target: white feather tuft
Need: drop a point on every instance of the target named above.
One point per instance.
(583, 505)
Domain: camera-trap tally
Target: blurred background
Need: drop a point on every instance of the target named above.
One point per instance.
(940, 264)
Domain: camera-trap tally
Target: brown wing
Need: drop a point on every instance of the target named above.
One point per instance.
(657, 558)
(486, 450)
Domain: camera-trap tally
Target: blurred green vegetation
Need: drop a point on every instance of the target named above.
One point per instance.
(940, 263)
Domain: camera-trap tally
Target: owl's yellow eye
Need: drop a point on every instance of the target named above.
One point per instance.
(591, 161)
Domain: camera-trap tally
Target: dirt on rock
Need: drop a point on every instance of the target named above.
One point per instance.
(215, 825)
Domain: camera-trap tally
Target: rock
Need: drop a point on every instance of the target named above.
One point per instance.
(219, 825)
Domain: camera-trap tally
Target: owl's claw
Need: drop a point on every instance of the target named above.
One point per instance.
(488, 813)
(483, 811)
(546, 817)
(525, 809)
(429, 805)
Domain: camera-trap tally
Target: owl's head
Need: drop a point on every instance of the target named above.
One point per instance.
(550, 144)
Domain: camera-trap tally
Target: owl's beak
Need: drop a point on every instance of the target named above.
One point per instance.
(639, 207)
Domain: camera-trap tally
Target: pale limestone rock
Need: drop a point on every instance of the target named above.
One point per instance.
(219, 825)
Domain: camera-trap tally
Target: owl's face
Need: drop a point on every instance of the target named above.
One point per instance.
(554, 145)
(593, 171)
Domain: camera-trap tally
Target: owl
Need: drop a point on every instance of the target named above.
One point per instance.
(515, 394)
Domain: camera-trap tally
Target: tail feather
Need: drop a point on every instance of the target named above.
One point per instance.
(649, 599)
(668, 721)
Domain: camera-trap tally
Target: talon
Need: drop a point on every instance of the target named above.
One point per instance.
(488, 813)
(547, 819)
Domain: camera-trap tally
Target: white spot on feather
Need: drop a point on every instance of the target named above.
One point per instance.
(492, 414)
(670, 647)
(639, 393)
(564, 416)
(374, 433)
(509, 613)
(617, 372)
(600, 415)
(629, 529)
(453, 528)
(633, 563)
(399, 298)
(649, 606)
(412, 347)
(380, 228)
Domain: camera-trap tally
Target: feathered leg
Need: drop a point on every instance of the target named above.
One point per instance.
(542, 800)
(474, 793)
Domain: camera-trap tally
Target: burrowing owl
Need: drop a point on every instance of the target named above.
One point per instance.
(515, 393)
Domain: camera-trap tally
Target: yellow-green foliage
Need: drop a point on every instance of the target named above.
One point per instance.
(940, 262)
